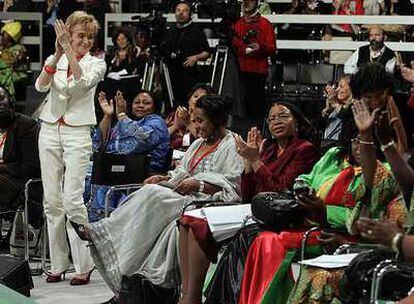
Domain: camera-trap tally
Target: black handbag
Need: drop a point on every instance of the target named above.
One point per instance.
(277, 211)
(355, 284)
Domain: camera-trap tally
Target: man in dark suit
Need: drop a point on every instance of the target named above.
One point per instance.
(19, 157)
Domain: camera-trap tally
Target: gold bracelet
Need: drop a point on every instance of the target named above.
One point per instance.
(121, 114)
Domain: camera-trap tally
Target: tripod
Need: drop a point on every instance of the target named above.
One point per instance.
(153, 65)
(220, 67)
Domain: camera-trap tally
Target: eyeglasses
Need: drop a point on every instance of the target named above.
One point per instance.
(277, 118)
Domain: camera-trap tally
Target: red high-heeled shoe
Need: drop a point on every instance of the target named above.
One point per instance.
(78, 281)
(55, 278)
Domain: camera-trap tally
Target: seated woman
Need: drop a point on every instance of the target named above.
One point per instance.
(141, 234)
(337, 114)
(336, 202)
(19, 156)
(122, 61)
(318, 285)
(282, 158)
(124, 55)
(142, 131)
(180, 123)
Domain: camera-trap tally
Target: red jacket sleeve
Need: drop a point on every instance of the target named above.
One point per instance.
(267, 41)
(238, 44)
(302, 163)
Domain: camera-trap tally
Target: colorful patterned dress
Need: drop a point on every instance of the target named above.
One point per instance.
(267, 277)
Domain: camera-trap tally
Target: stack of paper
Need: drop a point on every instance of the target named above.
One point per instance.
(224, 221)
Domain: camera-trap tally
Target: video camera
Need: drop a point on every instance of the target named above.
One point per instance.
(228, 10)
(156, 23)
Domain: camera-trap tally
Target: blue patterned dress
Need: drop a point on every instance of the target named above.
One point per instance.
(148, 135)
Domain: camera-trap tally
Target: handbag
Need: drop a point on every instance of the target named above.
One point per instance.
(277, 211)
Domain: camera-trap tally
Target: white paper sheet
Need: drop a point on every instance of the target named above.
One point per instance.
(330, 261)
(224, 221)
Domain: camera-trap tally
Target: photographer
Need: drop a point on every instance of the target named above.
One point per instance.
(254, 41)
(185, 45)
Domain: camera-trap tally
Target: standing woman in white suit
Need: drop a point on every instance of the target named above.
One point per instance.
(70, 75)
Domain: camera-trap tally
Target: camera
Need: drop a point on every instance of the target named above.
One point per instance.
(156, 23)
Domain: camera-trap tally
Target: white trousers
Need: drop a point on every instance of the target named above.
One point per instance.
(64, 153)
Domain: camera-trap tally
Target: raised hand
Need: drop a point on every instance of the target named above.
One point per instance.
(364, 120)
(181, 118)
(107, 107)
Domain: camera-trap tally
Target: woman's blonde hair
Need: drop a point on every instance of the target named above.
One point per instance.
(80, 17)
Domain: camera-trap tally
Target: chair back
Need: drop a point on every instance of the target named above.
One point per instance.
(119, 169)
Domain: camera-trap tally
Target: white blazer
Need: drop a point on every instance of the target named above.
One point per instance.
(73, 100)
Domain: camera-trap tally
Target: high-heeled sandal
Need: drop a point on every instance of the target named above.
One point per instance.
(80, 231)
(55, 278)
(79, 281)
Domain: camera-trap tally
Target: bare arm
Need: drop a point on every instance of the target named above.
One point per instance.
(44, 78)
(108, 110)
(401, 170)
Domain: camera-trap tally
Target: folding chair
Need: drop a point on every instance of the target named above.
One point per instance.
(119, 172)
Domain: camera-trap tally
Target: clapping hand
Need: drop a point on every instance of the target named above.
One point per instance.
(121, 106)
(62, 36)
(107, 107)
(250, 149)
(181, 117)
